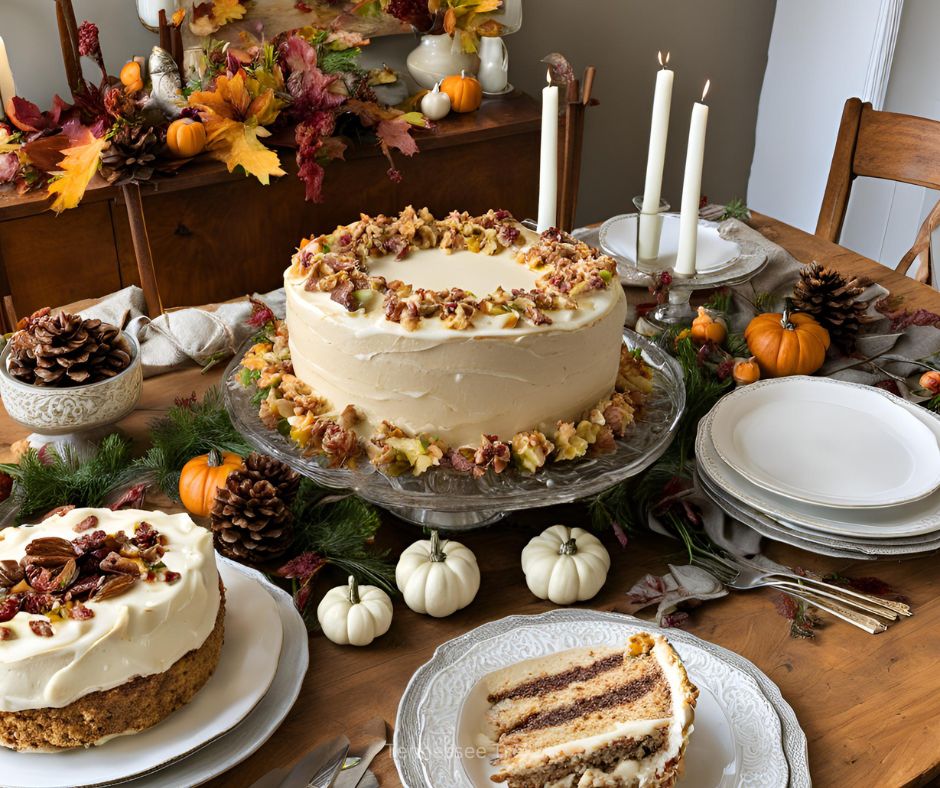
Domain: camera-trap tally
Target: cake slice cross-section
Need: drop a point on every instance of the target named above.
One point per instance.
(592, 717)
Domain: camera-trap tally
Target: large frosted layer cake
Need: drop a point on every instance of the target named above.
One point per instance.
(467, 341)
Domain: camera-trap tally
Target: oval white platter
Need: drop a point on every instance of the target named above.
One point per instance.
(264, 656)
(826, 442)
(618, 238)
(917, 518)
(746, 735)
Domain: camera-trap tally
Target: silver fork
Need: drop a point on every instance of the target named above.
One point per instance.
(898, 607)
(745, 579)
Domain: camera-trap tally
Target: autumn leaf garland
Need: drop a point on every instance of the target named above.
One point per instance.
(235, 114)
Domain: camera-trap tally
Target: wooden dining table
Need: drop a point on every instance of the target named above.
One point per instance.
(869, 704)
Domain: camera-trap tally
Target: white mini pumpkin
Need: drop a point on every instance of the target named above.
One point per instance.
(437, 577)
(435, 104)
(353, 614)
(565, 565)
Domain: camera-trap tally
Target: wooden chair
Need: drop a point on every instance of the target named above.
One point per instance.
(883, 145)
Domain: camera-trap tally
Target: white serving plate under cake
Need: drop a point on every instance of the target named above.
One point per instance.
(745, 733)
(826, 443)
(264, 659)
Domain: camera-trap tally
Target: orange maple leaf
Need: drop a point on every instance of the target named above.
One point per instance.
(178, 16)
(225, 11)
(77, 168)
(235, 116)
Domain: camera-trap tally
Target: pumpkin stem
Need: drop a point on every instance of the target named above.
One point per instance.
(215, 458)
(353, 591)
(437, 550)
(568, 547)
(785, 317)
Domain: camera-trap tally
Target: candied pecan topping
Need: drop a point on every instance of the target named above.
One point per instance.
(10, 573)
(41, 628)
(59, 510)
(114, 563)
(86, 525)
(9, 607)
(113, 586)
(6, 633)
(49, 551)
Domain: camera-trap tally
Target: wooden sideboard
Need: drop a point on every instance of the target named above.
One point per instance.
(215, 236)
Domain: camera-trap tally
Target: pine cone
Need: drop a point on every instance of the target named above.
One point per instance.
(132, 154)
(826, 295)
(251, 518)
(65, 350)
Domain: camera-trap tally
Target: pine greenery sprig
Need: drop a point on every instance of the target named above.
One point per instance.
(189, 428)
(736, 209)
(49, 478)
(626, 505)
(340, 531)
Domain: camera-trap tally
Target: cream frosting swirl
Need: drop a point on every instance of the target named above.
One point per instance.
(139, 633)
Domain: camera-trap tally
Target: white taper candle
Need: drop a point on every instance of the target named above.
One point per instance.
(548, 162)
(692, 189)
(7, 86)
(659, 131)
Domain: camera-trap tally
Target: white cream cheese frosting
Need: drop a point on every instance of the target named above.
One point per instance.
(456, 385)
(138, 633)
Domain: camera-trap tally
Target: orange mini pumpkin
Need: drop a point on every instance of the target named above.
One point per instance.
(201, 478)
(746, 370)
(131, 78)
(465, 92)
(787, 344)
(930, 381)
(706, 328)
(186, 137)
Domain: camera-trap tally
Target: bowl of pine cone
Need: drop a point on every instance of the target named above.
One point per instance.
(66, 377)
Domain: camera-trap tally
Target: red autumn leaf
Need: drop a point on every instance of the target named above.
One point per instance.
(395, 134)
(26, 116)
(45, 153)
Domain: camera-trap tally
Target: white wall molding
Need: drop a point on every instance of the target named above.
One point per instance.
(882, 52)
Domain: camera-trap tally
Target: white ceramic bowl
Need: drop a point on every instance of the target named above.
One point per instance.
(60, 411)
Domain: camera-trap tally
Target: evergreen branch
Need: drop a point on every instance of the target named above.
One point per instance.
(189, 428)
(46, 478)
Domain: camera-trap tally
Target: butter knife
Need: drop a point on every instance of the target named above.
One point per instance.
(376, 735)
(320, 766)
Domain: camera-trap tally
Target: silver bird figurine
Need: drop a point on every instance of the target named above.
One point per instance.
(166, 85)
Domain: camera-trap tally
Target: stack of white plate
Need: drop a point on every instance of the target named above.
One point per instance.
(745, 733)
(835, 468)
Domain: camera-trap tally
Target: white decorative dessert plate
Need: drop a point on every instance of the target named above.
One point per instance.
(917, 518)
(825, 442)
(618, 238)
(745, 733)
(264, 656)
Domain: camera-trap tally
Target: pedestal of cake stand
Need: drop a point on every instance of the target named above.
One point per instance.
(446, 521)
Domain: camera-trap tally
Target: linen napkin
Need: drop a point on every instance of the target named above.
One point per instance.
(181, 336)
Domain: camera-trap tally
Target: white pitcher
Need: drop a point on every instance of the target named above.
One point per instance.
(494, 64)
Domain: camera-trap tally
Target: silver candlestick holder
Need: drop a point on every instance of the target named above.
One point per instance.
(649, 233)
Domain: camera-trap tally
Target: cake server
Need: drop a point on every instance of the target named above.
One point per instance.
(376, 736)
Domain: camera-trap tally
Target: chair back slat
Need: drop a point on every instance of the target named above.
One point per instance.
(897, 147)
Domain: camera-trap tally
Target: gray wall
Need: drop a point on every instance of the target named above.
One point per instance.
(724, 40)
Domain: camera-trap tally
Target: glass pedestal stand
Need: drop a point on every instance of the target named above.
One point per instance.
(445, 499)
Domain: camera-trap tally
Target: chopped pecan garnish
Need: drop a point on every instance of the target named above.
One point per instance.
(86, 525)
(113, 586)
(114, 563)
(6, 633)
(9, 607)
(41, 628)
(59, 510)
(67, 575)
(10, 573)
(81, 613)
(152, 555)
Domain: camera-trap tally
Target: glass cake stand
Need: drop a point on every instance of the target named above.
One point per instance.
(443, 498)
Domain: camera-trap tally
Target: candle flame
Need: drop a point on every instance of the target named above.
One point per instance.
(708, 83)
(663, 62)
(548, 76)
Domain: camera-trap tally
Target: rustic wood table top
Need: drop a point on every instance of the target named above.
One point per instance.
(868, 704)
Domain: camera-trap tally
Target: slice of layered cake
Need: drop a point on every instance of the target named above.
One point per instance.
(593, 717)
